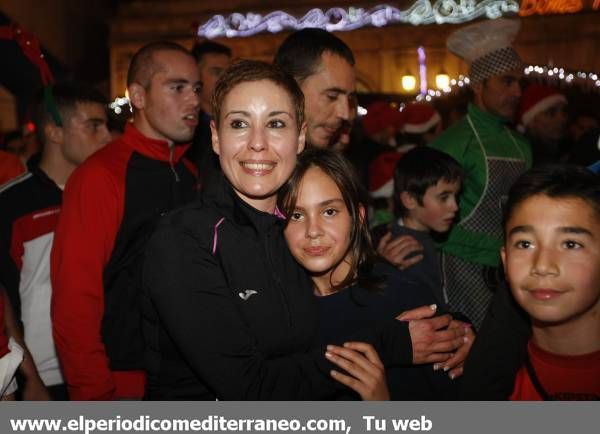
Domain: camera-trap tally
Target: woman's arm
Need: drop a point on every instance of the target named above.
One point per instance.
(196, 307)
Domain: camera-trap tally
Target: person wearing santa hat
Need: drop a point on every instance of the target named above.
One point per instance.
(422, 124)
(381, 124)
(543, 119)
(381, 188)
(492, 156)
(379, 127)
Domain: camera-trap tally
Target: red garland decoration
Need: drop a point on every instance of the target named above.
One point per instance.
(30, 46)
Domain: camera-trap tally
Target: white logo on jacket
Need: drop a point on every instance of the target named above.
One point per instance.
(245, 295)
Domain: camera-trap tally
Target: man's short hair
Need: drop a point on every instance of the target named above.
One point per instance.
(300, 54)
(245, 71)
(421, 168)
(203, 48)
(143, 66)
(557, 181)
(62, 98)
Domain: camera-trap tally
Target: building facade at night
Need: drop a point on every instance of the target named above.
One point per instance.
(383, 55)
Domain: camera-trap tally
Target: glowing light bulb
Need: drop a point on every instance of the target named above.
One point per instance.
(409, 82)
(442, 81)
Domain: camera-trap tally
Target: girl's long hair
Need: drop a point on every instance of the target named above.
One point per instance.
(341, 171)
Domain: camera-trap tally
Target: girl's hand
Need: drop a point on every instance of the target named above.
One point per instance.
(366, 372)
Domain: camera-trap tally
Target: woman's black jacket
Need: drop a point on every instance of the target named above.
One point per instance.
(229, 314)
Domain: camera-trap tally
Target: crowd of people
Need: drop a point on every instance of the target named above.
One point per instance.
(247, 237)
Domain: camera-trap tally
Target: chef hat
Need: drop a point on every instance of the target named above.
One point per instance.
(487, 47)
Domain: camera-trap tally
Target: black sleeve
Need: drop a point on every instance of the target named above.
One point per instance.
(390, 338)
(498, 352)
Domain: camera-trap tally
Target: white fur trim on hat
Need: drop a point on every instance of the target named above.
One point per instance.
(541, 106)
(386, 190)
(423, 127)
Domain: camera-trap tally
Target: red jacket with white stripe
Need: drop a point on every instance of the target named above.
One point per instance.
(110, 206)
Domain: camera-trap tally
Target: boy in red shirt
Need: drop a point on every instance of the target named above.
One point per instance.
(551, 258)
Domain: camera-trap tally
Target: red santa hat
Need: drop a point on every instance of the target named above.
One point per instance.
(419, 118)
(381, 174)
(380, 115)
(536, 99)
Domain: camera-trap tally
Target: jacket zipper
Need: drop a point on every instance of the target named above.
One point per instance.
(277, 279)
(171, 164)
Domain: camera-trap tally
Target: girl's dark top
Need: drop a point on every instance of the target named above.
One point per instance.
(356, 307)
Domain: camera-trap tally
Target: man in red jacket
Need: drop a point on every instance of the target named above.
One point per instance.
(109, 208)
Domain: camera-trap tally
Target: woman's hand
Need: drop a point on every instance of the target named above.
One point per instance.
(432, 339)
(367, 374)
(454, 365)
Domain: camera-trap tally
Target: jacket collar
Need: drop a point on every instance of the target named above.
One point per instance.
(221, 194)
(152, 148)
(485, 119)
(44, 178)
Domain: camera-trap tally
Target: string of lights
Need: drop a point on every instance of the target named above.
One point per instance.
(118, 103)
(550, 73)
(339, 19)
(561, 74)
(546, 72)
(455, 83)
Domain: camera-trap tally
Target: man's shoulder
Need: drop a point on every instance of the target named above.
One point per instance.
(16, 186)
(16, 196)
(30, 193)
(108, 163)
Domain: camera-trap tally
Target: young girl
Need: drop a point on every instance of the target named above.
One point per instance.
(328, 234)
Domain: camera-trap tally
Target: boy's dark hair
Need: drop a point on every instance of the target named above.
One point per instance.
(557, 181)
(143, 66)
(244, 71)
(300, 53)
(421, 168)
(64, 97)
(200, 49)
(343, 174)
